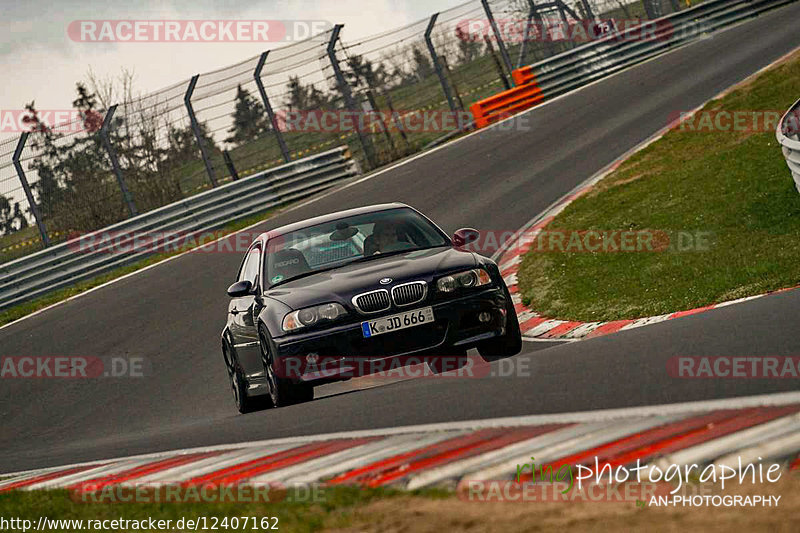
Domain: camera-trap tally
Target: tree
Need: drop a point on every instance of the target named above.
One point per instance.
(6, 216)
(48, 190)
(305, 97)
(422, 64)
(249, 119)
(362, 73)
(469, 48)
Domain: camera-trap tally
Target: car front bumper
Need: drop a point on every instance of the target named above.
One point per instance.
(341, 352)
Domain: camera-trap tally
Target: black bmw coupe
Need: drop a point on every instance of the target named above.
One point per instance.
(314, 299)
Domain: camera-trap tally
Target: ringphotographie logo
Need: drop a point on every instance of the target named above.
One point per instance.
(195, 31)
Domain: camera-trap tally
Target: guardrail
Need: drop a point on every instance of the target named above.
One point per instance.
(788, 134)
(506, 103)
(621, 49)
(91, 255)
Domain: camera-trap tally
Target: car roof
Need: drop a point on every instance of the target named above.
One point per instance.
(288, 228)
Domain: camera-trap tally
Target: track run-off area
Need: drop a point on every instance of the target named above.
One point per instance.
(495, 180)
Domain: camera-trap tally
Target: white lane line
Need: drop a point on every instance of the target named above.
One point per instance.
(346, 460)
(686, 408)
(769, 451)
(604, 434)
(207, 466)
(462, 468)
(110, 469)
(646, 321)
(517, 259)
(25, 476)
(544, 327)
(583, 330)
(708, 451)
(511, 279)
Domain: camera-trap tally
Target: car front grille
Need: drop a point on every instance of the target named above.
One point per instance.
(409, 293)
(373, 301)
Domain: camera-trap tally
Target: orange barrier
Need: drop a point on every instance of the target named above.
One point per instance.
(523, 76)
(504, 104)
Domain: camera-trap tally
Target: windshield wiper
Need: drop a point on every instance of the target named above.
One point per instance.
(303, 275)
(383, 254)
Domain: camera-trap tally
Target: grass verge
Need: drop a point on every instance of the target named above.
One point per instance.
(18, 311)
(730, 188)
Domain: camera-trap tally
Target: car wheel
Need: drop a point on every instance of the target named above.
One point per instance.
(508, 344)
(244, 403)
(282, 391)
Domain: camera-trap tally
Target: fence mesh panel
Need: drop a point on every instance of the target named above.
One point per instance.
(394, 79)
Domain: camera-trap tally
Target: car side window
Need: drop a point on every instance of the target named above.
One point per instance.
(249, 270)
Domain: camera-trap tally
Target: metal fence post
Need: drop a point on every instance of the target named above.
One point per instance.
(500, 72)
(588, 9)
(348, 96)
(112, 155)
(436, 65)
(500, 44)
(526, 35)
(187, 100)
(27, 188)
(229, 163)
(270, 113)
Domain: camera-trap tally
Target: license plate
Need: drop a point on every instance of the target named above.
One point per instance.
(387, 324)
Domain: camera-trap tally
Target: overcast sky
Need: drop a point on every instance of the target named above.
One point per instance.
(40, 62)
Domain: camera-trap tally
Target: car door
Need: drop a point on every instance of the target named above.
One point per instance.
(242, 314)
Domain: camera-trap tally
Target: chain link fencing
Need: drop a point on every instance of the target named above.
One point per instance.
(386, 96)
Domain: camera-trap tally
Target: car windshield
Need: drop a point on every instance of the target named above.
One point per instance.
(339, 242)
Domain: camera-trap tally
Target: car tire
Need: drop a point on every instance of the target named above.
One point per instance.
(508, 344)
(282, 391)
(244, 403)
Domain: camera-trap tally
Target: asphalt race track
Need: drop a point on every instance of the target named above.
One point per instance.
(172, 314)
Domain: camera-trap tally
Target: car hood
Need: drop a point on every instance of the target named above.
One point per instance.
(341, 284)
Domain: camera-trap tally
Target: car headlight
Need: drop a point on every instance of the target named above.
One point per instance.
(470, 278)
(310, 316)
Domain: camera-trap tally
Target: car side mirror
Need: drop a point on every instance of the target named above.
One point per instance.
(465, 236)
(240, 288)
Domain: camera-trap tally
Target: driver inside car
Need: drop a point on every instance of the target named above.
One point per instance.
(385, 238)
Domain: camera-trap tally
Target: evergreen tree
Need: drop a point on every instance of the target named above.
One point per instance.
(249, 119)
(422, 64)
(362, 73)
(305, 97)
(469, 48)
